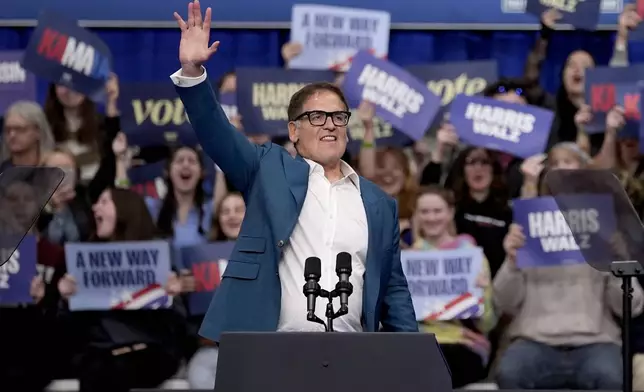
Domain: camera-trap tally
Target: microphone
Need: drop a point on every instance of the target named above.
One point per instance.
(344, 288)
(312, 273)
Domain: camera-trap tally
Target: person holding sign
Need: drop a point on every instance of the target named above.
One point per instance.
(564, 330)
(287, 219)
(462, 338)
(122, 349)
(478, 181)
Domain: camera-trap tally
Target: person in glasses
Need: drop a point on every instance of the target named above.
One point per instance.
(313, 204)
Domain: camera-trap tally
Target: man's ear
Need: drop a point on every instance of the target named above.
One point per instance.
(293, 132)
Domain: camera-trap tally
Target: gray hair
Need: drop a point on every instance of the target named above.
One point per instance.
(33, 114)
(574, 148)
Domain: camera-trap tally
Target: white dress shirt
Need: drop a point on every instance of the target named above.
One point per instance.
(332, 220)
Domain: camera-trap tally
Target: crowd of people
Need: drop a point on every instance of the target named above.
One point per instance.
(547, 328)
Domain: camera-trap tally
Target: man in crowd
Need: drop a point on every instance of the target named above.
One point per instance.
(310, 205)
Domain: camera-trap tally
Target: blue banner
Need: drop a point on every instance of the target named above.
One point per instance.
(490, 14)
(399, 98)
(119, 275)
(16, 83)
(582, 14)
(61, 52)
(519, 130)
(207, 263)
(263, 95)
(600, 91)
(555, 237)
(18, 272)
(152, 113)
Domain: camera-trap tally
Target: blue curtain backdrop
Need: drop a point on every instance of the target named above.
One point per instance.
(151, 54)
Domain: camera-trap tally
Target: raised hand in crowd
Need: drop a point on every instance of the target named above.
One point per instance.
(67, 286)
(628, 20)
(37, 288)
(550, 18)
(290, 50)
(531, 169)
(446, 139)
(583, 117)
(615, 120)
(194, 47)
(514, 240)
(366, 113)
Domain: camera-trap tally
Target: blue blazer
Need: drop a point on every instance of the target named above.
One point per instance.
(274, 185)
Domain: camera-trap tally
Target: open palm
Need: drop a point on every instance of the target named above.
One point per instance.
(194, 48)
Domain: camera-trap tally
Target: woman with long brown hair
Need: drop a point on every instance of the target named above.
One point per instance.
(124, 349)
(77, 125)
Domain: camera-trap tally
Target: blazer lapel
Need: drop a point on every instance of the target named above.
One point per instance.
(371, 289)
(296, 171)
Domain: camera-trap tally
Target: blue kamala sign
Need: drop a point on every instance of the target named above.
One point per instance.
(463, 14)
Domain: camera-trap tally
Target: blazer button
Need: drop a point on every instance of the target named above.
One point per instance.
(280, 243)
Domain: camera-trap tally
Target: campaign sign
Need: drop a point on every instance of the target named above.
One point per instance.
(18, 272)
(152, 113)
(581, 14)
(62, 52)
(400, 98)
(601, 94)
(331, 36)
(551, 241)
(263, 95)
(627, 95)
(447, 80)
(16, 84)
(207, 263)
(519, 130)
(228, 102)
(119, 275)
(147, 180)
(442, 283)
(385, 134)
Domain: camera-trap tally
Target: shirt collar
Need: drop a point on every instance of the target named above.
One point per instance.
(347, 171)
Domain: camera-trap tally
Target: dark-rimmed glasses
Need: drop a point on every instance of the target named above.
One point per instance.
(318, 117)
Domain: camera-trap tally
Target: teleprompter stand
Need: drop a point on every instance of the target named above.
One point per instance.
(627, 270)
(619, 245)
(323, 362)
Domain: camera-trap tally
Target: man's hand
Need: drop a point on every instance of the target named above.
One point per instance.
(195, 36)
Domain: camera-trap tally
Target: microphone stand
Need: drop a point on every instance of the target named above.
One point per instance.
(330, 313)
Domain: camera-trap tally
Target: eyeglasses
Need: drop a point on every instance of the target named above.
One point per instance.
(503, 90)
(318, 117)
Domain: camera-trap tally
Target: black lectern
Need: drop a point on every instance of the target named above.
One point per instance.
(338, 362)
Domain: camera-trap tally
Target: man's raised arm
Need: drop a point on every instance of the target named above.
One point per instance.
(228, 148)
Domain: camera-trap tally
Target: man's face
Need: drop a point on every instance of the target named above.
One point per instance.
(321, 130)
